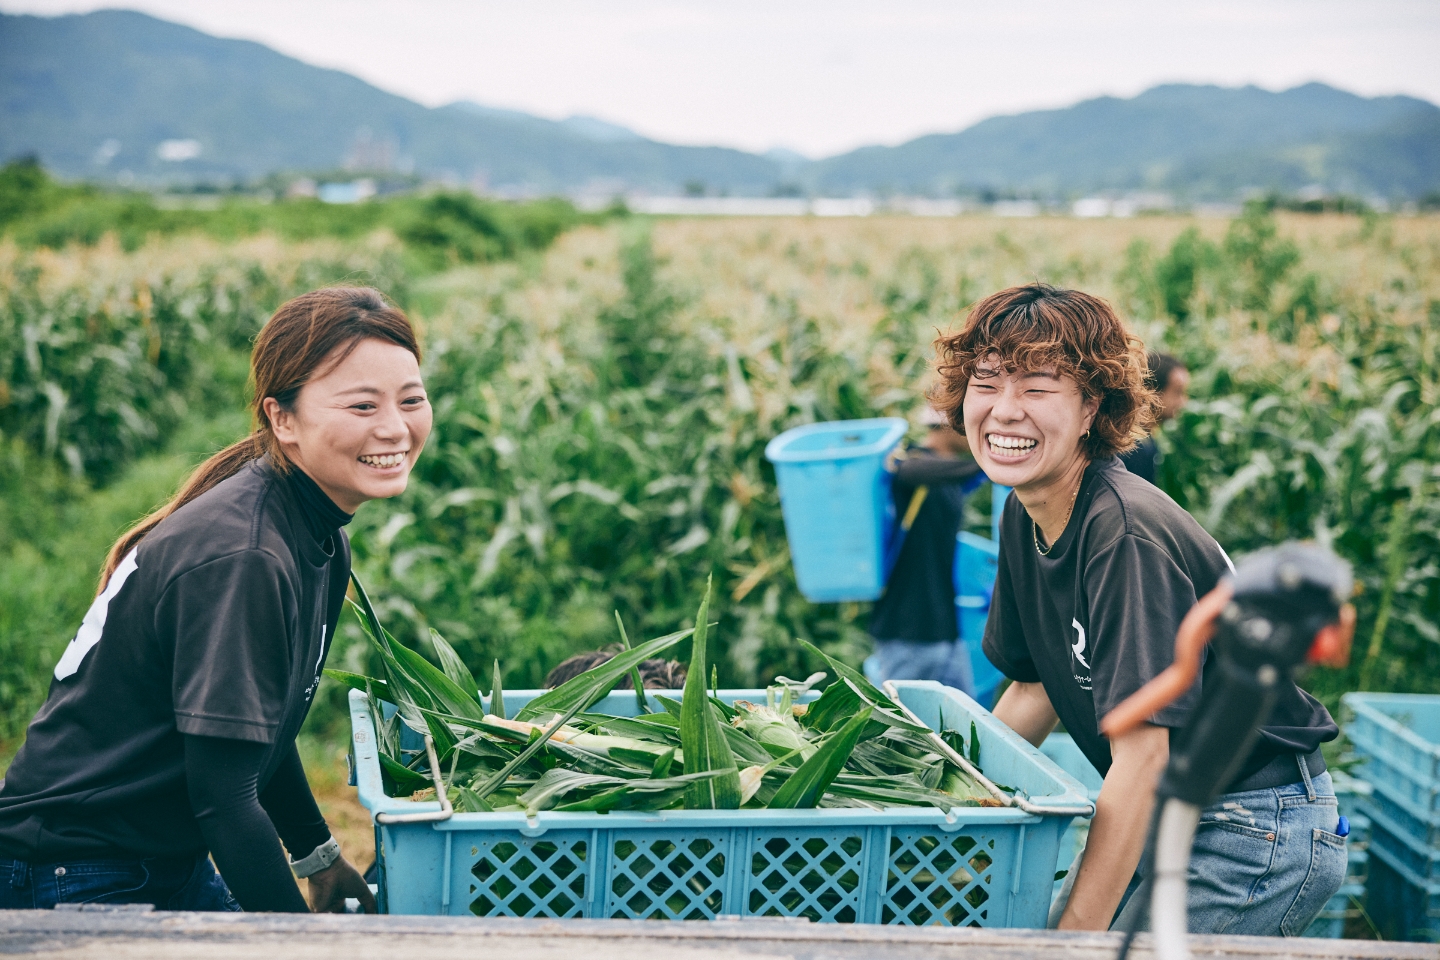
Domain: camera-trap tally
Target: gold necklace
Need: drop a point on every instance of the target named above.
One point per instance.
(1035, 527)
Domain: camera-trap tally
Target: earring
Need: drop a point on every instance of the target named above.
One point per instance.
(1085, 435)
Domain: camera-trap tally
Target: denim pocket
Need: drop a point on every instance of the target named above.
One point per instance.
(1328, 863)
(100, 881)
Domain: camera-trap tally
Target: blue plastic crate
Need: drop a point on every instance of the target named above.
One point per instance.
(1419, 859)
(1061, 748)
(1402, 905)
(976, 560)
(1402, 815)
(1330, 923)
(1398, 735)
(969, 866)
(835, 497)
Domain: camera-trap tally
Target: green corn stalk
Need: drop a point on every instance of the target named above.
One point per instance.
(702, 736)
(807, 785)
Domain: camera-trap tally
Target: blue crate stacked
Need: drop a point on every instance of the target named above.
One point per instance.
(1397, 737)
(1353, 794)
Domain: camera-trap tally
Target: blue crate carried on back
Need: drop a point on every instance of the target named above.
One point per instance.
(835, 497)
(969, 866)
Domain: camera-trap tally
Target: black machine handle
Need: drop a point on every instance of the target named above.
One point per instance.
(1282, 608)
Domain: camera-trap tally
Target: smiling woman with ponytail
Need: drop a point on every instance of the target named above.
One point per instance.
(168, 738)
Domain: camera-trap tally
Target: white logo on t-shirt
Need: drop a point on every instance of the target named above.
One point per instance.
(94, 623)
(1077, 655)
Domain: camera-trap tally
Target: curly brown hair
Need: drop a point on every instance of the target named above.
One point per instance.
(1079, 335)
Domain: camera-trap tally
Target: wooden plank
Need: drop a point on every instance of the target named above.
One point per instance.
(124, 935)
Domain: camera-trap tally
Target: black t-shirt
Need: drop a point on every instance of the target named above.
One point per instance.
(1144, 459)
(216, 625)
(1096, 619)
(919, 599)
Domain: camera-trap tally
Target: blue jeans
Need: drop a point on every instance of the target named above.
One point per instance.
(178, 883)
(1264, 863)
(946, 661)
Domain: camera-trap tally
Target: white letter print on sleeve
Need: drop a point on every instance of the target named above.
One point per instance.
(94, 623)
(1079, 666)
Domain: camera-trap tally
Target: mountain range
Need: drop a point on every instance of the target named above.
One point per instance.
(121, 95)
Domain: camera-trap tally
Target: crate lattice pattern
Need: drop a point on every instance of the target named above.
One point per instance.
(814, 877)
(667, 878)
(938, 879)
(520, 877)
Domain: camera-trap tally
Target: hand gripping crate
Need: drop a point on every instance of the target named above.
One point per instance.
(969, 866)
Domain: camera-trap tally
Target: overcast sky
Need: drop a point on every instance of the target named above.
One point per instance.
(822, 76)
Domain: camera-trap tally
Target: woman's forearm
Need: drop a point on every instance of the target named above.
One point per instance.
(221, 777)
(1026, 709)
(1117, 833)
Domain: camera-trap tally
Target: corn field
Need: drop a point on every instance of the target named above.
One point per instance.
(601, 411)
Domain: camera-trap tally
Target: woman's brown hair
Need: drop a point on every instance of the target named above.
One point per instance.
(307, 334)
(1038, 326)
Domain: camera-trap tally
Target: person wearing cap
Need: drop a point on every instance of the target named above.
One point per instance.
(914, 623)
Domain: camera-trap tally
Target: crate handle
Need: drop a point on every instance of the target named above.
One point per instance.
(951, 754)
(445, 812)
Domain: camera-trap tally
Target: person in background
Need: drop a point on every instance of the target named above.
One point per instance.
(1170, 380)
(914, 623)
(655, 674)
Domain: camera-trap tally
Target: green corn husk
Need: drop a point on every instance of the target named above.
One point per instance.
(778, 733)
(807, 785)
(852, 747)
(702, 735)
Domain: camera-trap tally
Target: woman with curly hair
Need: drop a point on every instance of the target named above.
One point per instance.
(1097, 569)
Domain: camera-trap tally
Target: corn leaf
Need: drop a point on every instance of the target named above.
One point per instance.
(844, 671)
(367, 612)
(467, 802)
(582, 691)
(453, 666)
(443, 692)
(647, 728)
(558, 782)
(895, 792)
(808, 784)
(357, 682)
(662, 794)
(600, 682)
(402, 781)
(702, 735)
(497, 691)
(844, 698)
(640, 705)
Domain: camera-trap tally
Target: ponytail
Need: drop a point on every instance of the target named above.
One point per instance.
(303, 336)
(221, 466)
